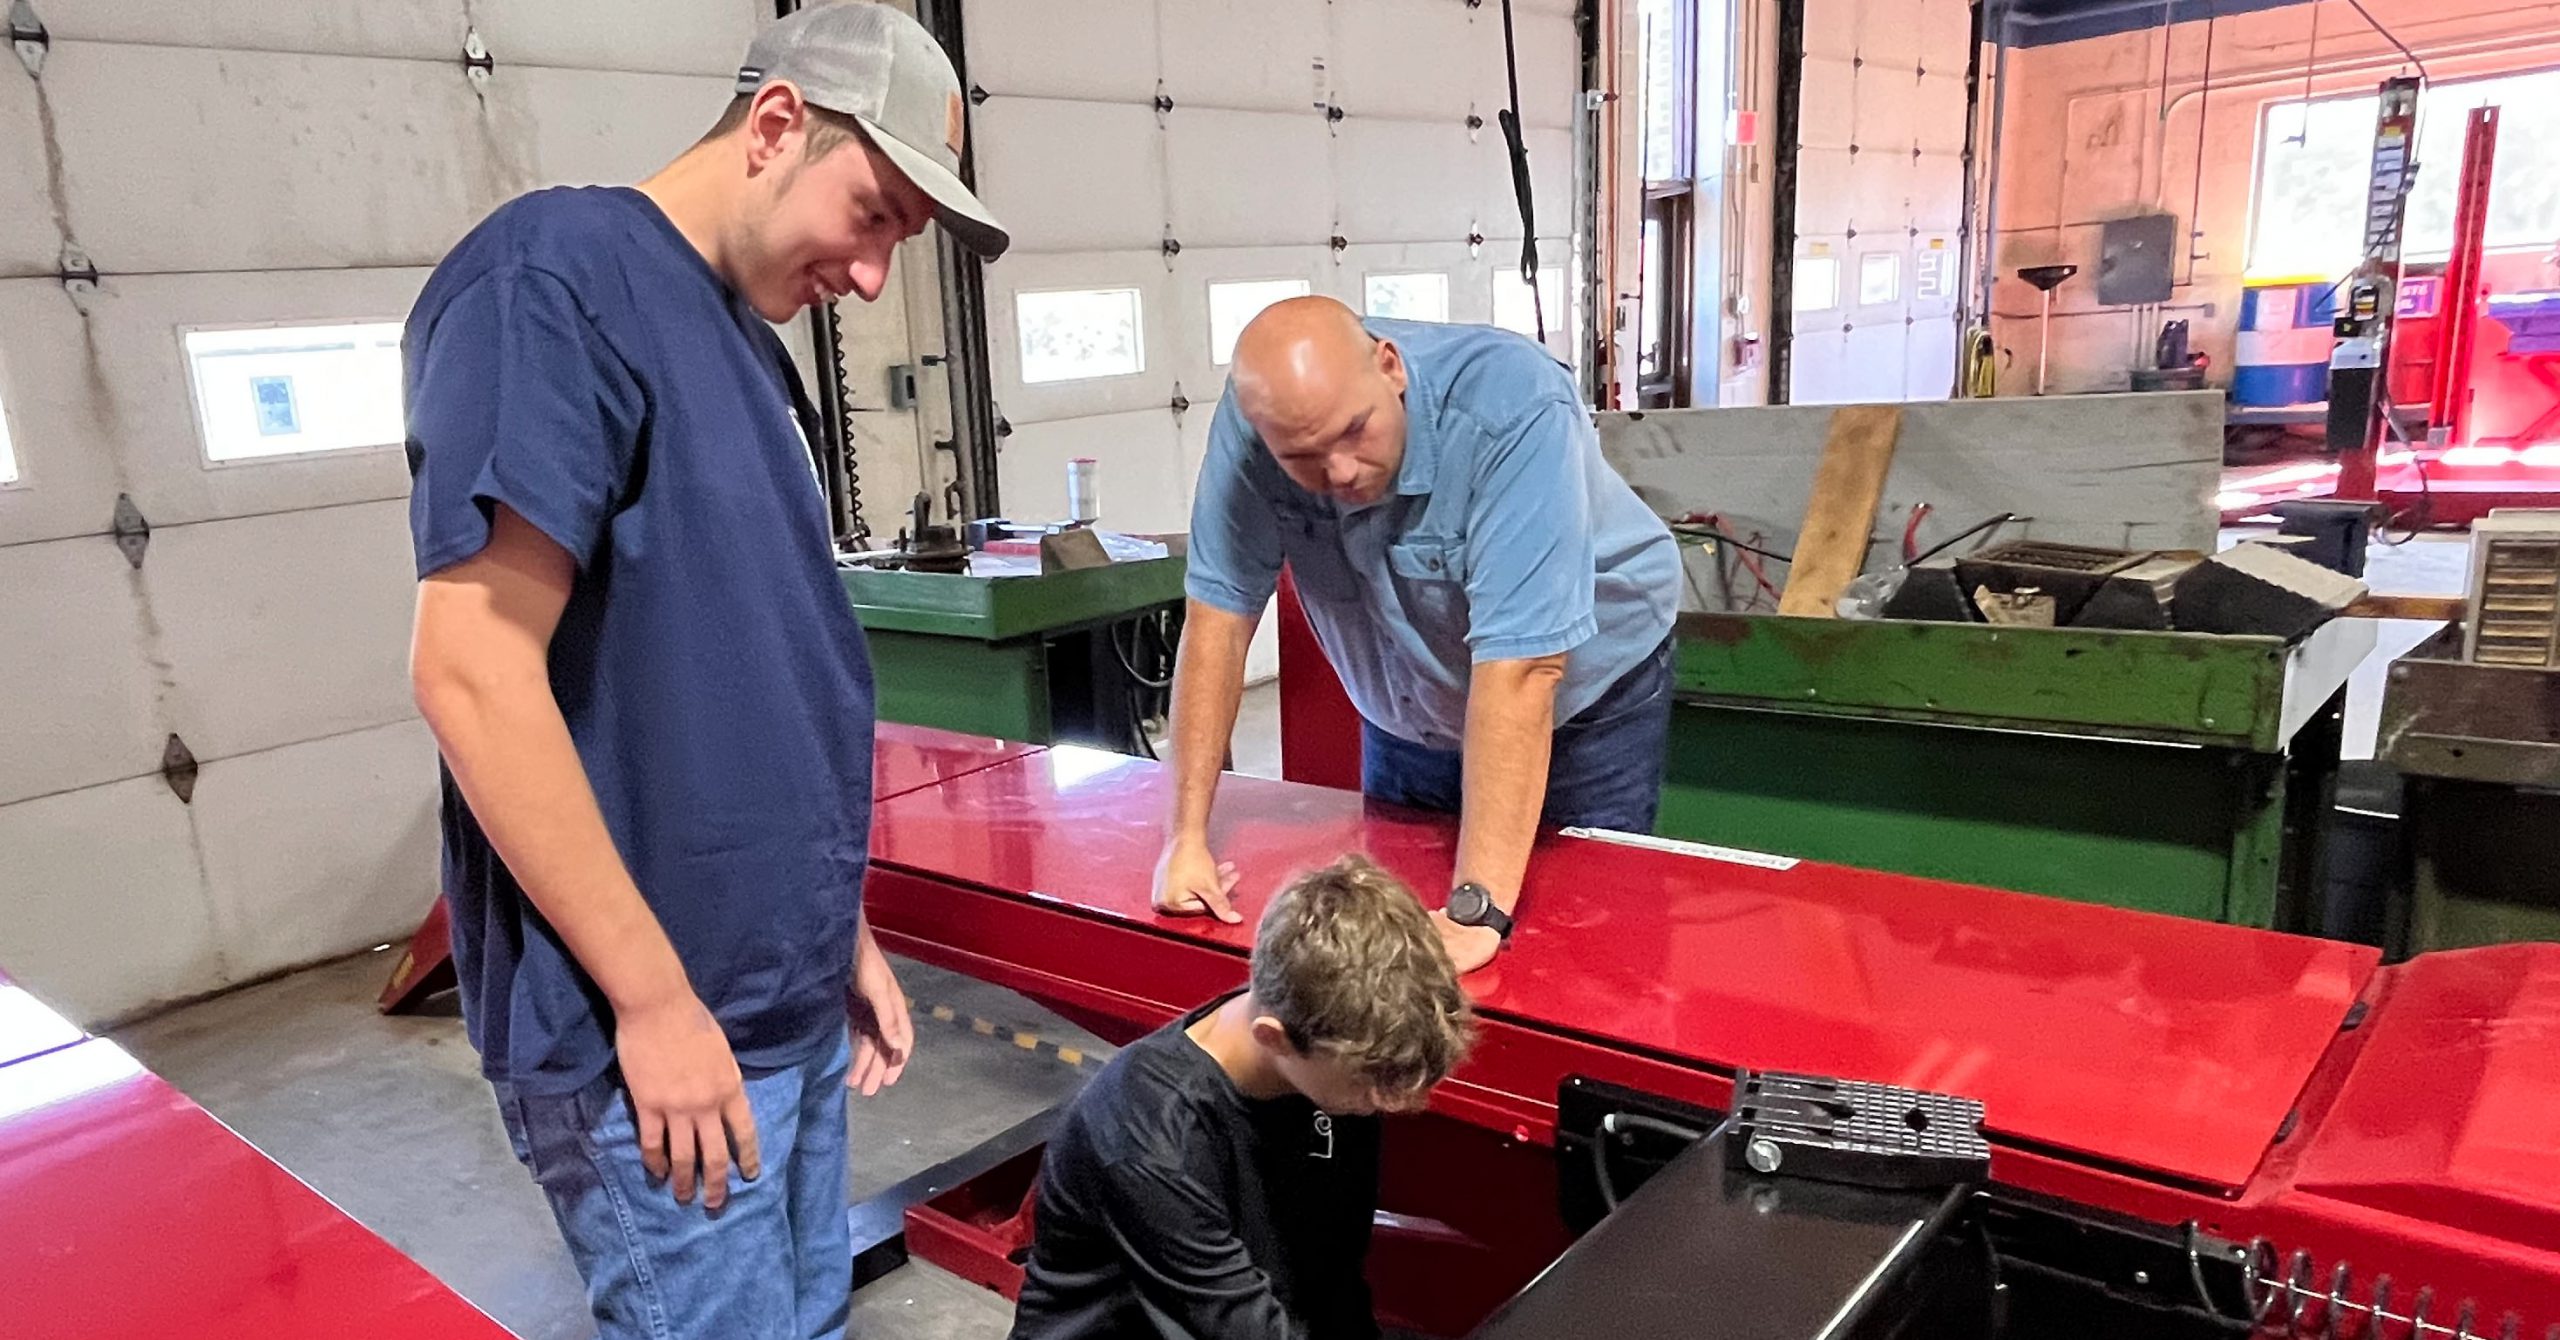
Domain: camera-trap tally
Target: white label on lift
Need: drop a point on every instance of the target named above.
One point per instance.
(1732, 855)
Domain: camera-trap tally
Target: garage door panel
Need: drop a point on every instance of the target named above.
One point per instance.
(403, 29)
(1242, 53)
(1880, 198)
(77, 665)
(1874, 358)
(1138, 465)
(1029, 402)
(1550, 69)
(704, 37)
(1938, 112)
(1889, 32)
(1375, 74)
(1829, 119)
(141, 436)
(1821, 362)
(1102, 49)
(1827, 184)
(1199, 274)
(320, 848)
(359, 162)
(1831, 28)
(1937, 192)
(1551, 174)
(104, 902)
(1448, 260)
(1191, 432)
(1886, 106)
(1249, 178)
(1931, 359)
(67, 478)
(594, 126)
(29, 244)
(284, 628)
(1107, 194)
(1406, 181)
(1946, 36)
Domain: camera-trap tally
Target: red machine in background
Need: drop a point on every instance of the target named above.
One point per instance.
(2477, 347)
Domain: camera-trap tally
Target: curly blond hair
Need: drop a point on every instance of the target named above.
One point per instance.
(1349, 963)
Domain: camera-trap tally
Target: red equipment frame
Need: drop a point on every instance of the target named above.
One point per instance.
(2255, 1085)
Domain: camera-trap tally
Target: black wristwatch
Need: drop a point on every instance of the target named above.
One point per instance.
(1471, 905)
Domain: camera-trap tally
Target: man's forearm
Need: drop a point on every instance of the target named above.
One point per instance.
(1511, 708)
(502, 735)
(1208, 687)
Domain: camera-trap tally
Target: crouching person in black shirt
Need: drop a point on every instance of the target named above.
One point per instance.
(1216, 1181)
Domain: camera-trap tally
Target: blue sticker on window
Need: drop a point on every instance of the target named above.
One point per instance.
(274, 399)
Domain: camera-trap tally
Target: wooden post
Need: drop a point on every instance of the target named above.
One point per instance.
(1841, 514)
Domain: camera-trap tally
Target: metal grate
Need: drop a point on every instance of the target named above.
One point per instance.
(2055, 557)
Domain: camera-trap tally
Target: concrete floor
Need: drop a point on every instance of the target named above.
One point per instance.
(389, 1118)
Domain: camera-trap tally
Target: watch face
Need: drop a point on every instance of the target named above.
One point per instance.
(1466, 904)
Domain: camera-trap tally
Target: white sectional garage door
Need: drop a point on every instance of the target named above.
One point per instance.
(1170, 166)
(246, 173)
(1880, 200)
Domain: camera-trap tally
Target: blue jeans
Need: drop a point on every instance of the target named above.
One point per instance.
(1605, 770)
(776, 1263)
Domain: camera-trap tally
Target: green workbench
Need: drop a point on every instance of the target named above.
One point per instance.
(2178, 773)
(1011, 656)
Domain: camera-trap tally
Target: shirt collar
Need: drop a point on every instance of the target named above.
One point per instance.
(1421, 467)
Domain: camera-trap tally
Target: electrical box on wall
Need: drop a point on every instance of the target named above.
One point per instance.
(2134, 260)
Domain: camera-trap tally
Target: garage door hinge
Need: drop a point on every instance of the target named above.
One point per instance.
(132, 532)
(977, 96)
(76, 271)
(1180, 402)
(1339, 243)
(477, 63)
(178, 769)
(1164, 104)
(27, 34)
(1172, 247)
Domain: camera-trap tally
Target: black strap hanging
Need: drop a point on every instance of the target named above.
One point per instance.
(1510, 118)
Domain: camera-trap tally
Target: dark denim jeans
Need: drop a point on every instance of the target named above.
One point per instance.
(1605, 772)
(776, 1263)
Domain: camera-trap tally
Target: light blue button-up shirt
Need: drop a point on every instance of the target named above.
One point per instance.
(1506, 537)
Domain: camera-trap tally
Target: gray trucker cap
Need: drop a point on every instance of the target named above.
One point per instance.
(872, 63)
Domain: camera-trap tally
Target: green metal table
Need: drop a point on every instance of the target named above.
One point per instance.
(2479, 747)
(2177, 773)
(1019, 657)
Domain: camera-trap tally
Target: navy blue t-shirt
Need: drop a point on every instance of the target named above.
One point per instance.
(576, 359)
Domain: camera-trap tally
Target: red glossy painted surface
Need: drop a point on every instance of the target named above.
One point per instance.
(127, 1211)
(2452, 1111)
(909, 758)
(1319, 728)
(2149, 1042)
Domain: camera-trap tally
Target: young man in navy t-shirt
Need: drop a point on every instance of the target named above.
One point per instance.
(652, 698)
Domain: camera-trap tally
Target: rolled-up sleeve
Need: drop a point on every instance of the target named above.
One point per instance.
(1529, 545)
(1235, 539)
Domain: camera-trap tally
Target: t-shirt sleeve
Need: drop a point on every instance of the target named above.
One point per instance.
(515, 398)
(1235, 538)
(1529, 547)
(1191, 1268)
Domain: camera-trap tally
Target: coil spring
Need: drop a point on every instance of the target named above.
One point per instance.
(2284, 1296)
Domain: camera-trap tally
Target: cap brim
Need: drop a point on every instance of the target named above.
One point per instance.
(959, 212)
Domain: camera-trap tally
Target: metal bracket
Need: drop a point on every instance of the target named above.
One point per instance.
(27, 33)
(1164, 103)
(1172, 247)
(978, 96)
(79, 274)
(1339, 243)
(477, 63)
(132, 532)
(178, 768)
(1180, 402)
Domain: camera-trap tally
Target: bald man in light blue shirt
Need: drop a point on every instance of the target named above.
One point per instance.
(1497, 602)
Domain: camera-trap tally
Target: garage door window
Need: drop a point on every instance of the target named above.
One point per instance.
(1817, 283)
(1079, 334)
(270, 391)
(1413, 297)
(1879, 278)
(1514, 310)
(1232, 307)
